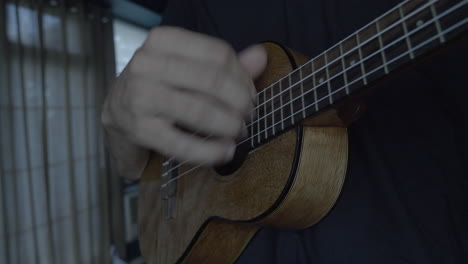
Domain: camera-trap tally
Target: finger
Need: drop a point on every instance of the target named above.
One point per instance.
(191, 110)
(244, 131)
(254, 60)
(164, 138)
(201, 114)
(232, 90)
(178, 41)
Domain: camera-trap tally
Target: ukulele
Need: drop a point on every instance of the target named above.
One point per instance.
(289, 171)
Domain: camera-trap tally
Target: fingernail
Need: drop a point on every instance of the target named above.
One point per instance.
(230, 153)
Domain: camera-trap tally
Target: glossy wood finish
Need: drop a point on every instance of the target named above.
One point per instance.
(290, 182)
(253, 189)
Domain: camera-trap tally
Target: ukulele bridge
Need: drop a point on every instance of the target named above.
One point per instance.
(169, 189)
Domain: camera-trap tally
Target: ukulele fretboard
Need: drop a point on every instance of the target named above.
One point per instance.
(403, 34)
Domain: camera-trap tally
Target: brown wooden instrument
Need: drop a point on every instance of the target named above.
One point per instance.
(295, 157)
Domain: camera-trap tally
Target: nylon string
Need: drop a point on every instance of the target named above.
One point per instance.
(270, 87)
(345, 86)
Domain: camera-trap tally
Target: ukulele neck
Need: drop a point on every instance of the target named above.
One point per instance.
(407, 32)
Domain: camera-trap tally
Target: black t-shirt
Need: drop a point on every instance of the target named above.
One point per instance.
(405, 196)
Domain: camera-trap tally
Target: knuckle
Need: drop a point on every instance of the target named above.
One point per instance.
(224, 53)
(136, 64)
(138, 128)
(164, 65)
(198, 113)
(161, 33)
(163, 101)
(133, 105)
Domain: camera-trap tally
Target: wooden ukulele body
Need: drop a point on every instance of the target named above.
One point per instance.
(290, 182)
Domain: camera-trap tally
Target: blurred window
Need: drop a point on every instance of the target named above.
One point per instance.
(127, 39)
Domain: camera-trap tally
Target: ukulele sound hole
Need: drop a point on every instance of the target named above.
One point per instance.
(239, 157)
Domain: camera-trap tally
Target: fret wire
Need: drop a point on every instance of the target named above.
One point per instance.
(273, 111)
(390, 61)
(384, 59)
(365, 42)
(386, 29)
(258, 117)
(373, 54)
(453, 27)
(291, 98)
(328, 79)
(281, 106)
(252, 117)
(437, 23)
(265, 112)
(363, 73)
(313, 84)
(405, 30)
(302, 93)
(443, 14)
(343, 65)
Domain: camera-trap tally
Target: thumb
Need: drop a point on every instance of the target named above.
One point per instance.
(254, 60)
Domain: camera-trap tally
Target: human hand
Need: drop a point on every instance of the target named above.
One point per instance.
(180, 78)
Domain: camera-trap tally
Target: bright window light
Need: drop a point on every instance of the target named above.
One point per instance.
(127, 39)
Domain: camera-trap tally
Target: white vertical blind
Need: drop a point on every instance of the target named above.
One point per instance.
(53, 200)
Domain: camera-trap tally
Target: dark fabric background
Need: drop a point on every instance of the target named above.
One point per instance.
(405, 197)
